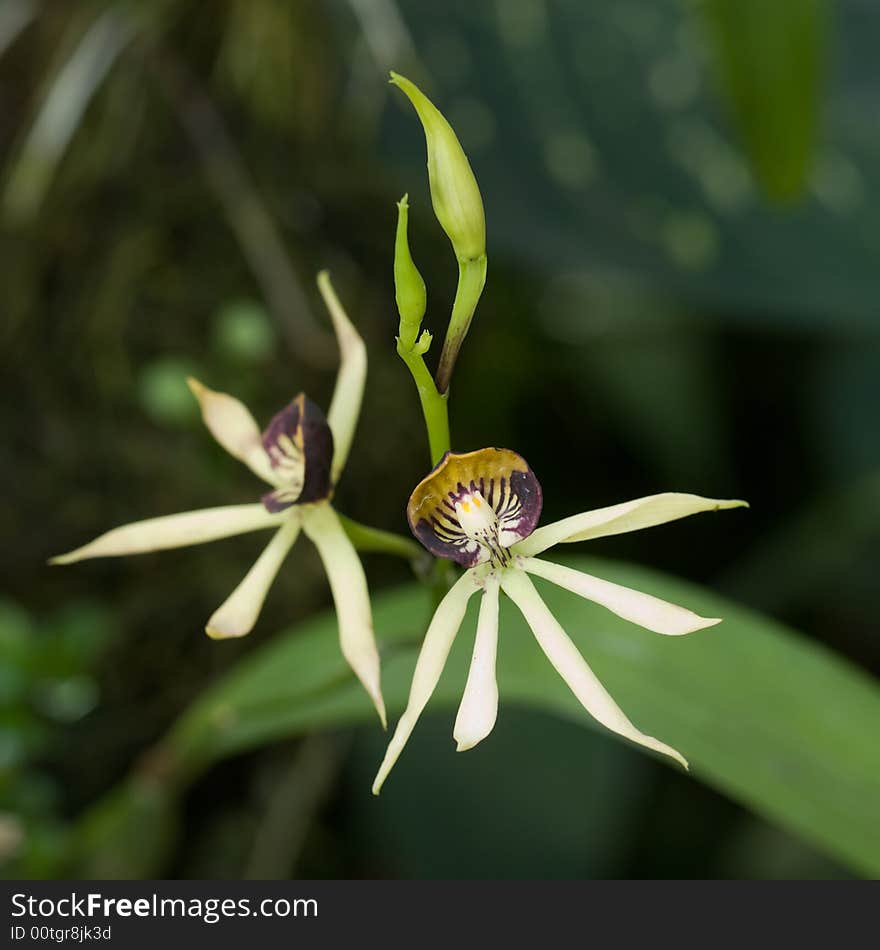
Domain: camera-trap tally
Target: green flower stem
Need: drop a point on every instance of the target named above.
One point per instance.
(436, 573)
(365, 538)
(471, 280)
(435, 407)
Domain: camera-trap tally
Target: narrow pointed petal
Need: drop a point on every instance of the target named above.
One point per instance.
(647, 611)
(572, 667)
(350, 596)
(238, 613)
(479, 705)
(233, 426)
(432, 658)
(175, 531)
(345, 407)
(618, 519)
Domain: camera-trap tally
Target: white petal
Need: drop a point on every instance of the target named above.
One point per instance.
(643, 609)
(617, 519)
(345, 406)
(232, 425)
(175, 531)
(350, 596)
(572, 667)
(432, 658)
(238, 613)
(479, 705)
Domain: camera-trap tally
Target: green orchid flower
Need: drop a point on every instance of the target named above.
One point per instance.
(301, 456)
(481, 510)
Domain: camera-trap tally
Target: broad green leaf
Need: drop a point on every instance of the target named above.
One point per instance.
(770, 60)
(768, 717)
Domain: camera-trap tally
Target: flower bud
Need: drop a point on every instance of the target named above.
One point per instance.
(409, 288)
(454, 191)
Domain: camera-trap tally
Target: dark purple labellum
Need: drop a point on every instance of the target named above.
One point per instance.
(493, 490)
(299, 444)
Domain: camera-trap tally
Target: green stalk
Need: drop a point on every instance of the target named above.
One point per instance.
(435, 406)
(471, 280)
(411, 298)
(366, 538)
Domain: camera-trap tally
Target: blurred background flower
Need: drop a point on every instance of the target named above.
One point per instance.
(683, 224)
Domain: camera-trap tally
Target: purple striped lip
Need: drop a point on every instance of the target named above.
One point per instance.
(299, 444)
(473, 507)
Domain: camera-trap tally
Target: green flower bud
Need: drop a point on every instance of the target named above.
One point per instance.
(409, 288)
(454, 191)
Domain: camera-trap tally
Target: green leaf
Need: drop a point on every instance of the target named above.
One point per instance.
(770, 57)
(768, 717)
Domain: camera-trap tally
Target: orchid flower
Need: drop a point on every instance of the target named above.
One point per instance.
(301, 455)
(480, 509)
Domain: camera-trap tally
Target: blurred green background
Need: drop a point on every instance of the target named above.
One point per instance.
(683, 224)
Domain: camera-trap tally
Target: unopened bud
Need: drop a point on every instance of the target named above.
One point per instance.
(409, 288)
(454, 191)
